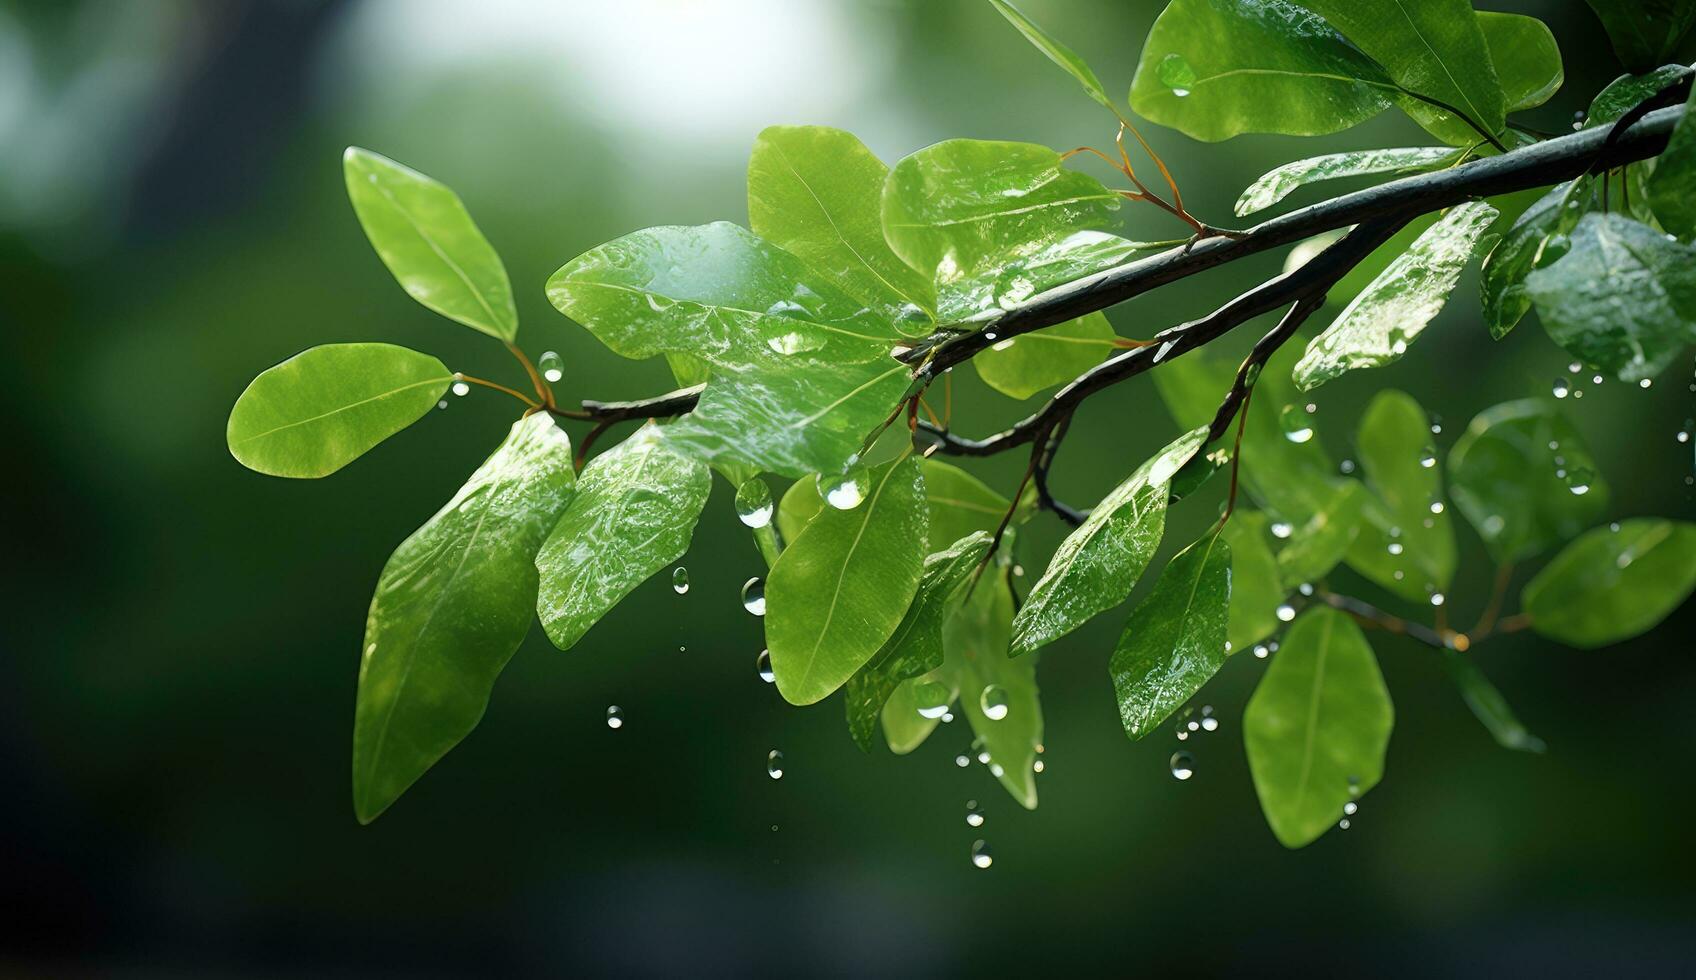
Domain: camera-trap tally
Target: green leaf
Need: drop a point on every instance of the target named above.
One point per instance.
(1435, 48)
(1671, 189)
(1512, 474)
(1058, 53)
(1613, 583)
(1625, 92)
(801, 371)
(1488, 705)
(1256, 591)
(984, 291)
(1318, 545)
(1539, 237)
(904, 728)
(634, 513)
(916, 645)
(1644, 32)
(1377, 327)
(817, 192)
(452, 606)
(1174, 641)
(842, 586)
(986, 674)
(1213, 69)
(1622, 298)
(1526, 58)
(1402, 469)
(423, 234)
(960, 503)
(1317, 726)
(1024, 365)
(1281, 182)
(325, 407)
(1099, 563)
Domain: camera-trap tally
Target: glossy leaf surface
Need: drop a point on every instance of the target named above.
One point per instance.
(1413, 553)
(1537, 238)
(904, 728)
(1610, 585)
(1671, 188)
(325, 407)
(959, 503)
(1625, 92)
(1283, 181)
(1526, 58)
(1024, 365)
(1174, 641)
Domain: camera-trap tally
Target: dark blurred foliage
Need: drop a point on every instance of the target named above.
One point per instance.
(181, 635)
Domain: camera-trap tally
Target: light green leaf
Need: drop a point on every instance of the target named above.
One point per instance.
(634, 513)
(1625, 92)
(1174, 641)
(325, 407)
(1413, 553)
(1099, 563)
(423, 234)
(904, 728)
(801, 371)
(1058, 53)
(1377, 327)
(1317, 726)
(988, 677)
(916, 645)
(1645, 32)
(1613, 583)
(1024, 365)
(1622, 298)
(1213, 69)
(1435, 48)
(1526, 58)
(1513, 472)
(800, 504)
(1256, 591)
(1488, 705)
(842, 586)
(1539, 237)
(960, 503)
(1318, 545)
(1671, 188)
(1281, 182)
(817, 192)
(993, 286)
(452, 606)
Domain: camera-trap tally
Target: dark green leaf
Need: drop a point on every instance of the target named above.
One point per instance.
(1644, 32)
(842, 586)
(323, 408)
(1317, 726)
(1622, 298)
(1099, 563)
(1216, 68)
(1536, 239)
(422, 232)
(1413, 553)
(1513, 474)
(1488, 705)
(960, 503)
(1280, 183)
(1256, 591)
(1174, 641)
(1625, 92)
(1383, 320)
(1526, 58)
(1024, 365)
(1031, 268)
(1671, 188)
(1613, 583)
(634, 513)
(452, 606)
(1058, 53)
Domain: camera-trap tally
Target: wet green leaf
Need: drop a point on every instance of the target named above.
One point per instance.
(1099, 563)
(1316, 546)
(1174, 641)
(916, 645)
(1213, 69)
(1281, 182)
(817, 192)
(633, 514)
(986, 290)
(1526, 58)
(1622, 298)
(1317, 726)
(990, 679)
(1377, 327)
(1488, 705)
(1538, 238)
(1058, 53)
(1644, 32)
(452, 606)
(1625, 92)
(423, 234)
(801, 371)
(325, 407)
(1505, 478)
(1256, 591)
(1613, 583)
(842, 586)
(1671, 188)
(960, 503)
(1411, 552)
(904, 728)
(1024, 365)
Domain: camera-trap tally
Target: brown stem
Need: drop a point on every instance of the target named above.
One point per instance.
(468, 379)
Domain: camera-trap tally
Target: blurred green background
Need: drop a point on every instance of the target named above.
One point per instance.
(181, 635)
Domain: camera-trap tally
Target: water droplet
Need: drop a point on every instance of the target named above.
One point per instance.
(1306, 588)
(980, 855)
(1562, 388)
(1354, 785)
(993, 701)
(1575, 367)
(1343, 824)
(1037, 766)
(1578, 119)
(1295, 423)
(754, 596)
(1436, 424)
(1350, 808)
(1286, 612)
(1209, 721)
(680, 580)
(1281, 530)
(974, 814)
(843, 491)
(963, 760)
(461, 389)
(1346, 467)
(442, 404)
(1683, 434)
(1437, 598)
(1176, 74)
(762, 666)
(1644, 383)
(1579, 479)
(774, 764)
(983, 757)
(1428, 457)
(911, 321)
(1010, 288)
(932, 697)
(1395, 548)
(948, 717)
(615, 717)
(1262, 651)
(753, 503)
(792, 342)
(996, 770)
(552, 366)
(1182, 765)
(1597, 379)
(1436, 506)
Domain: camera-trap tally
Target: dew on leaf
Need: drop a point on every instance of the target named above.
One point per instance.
(1209, 721)
(844, 491)
(461, 389)
(1297, 427)
(993, 701)
(932, 698)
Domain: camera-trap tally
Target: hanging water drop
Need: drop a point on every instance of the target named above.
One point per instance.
(1295, 423)
(1182, 765)
(1281, 530)
(774, 764)
(932, 697)
(962, 760)
(680, 580)
(1394, 548)
(1578, 480)
(1428, 457)
(1562, 388)
(1436, 598)
(754, 596)
(1209, 721)
(974, 814)
(980, 855)
(553, 368)
(1262, 651)
(615, 717)
(1350, 808)
(762, 666)
(1286, 612)
(461, 389)
(754, 503)
(843, 491)
(1436, 506)
(993, 701)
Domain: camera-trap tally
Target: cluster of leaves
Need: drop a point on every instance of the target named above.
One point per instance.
(890, 571)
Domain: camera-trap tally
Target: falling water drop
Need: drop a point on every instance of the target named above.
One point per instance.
(1209, 721)
(461, 389)
(754, 596)
(553, 368)
(615, 717)
(680, 580)
(1428, 457)
(980, 855)
(774, 764)
(762, 666)
(753, 503)
(1562, 388)
(993, 701)
(1182, 765)
(974, 814)
(1298, 428)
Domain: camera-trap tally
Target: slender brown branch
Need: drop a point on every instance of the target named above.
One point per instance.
(469, 379)
(1039, 475)
(543, 392)
(1374, 616)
